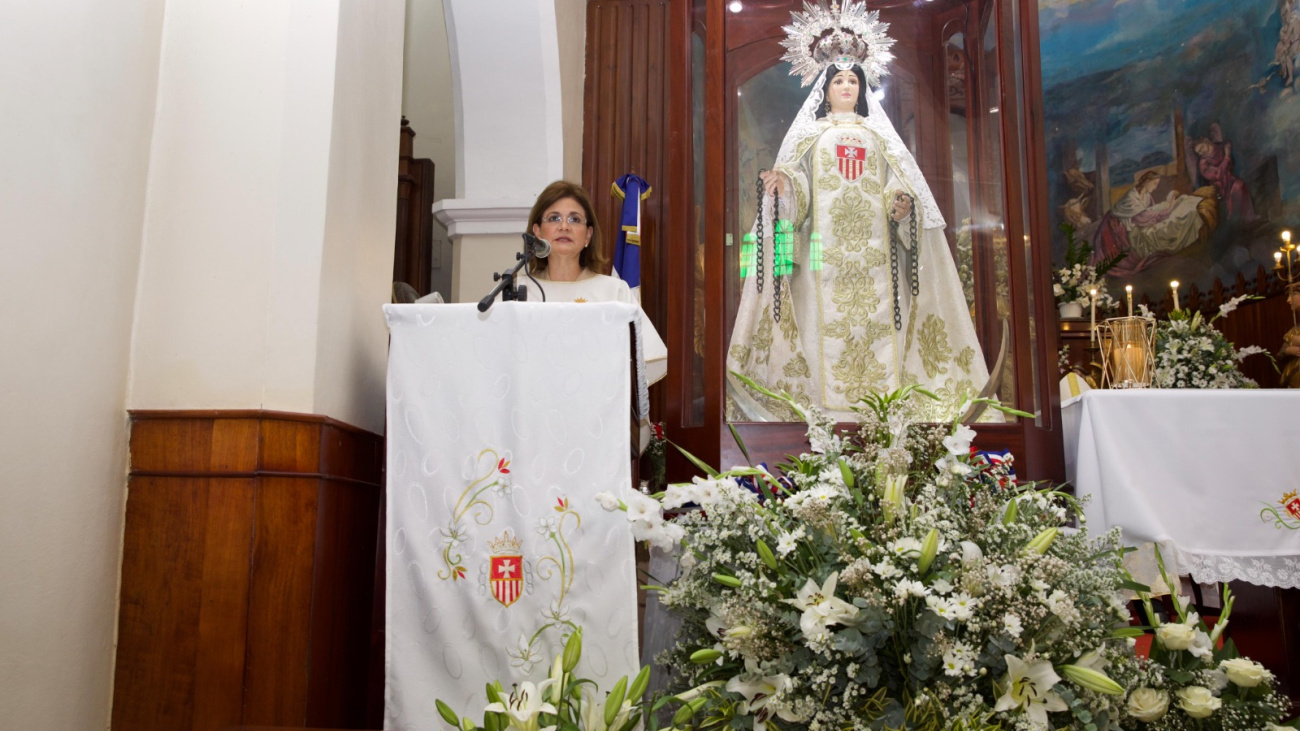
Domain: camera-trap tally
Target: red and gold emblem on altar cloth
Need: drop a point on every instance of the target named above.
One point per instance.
(1292, 504)
(850, 153)
(506, 568)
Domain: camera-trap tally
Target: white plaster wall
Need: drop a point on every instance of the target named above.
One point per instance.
(357, 271)
(272, 194)
(427, 105)
(477, 257)
(78, 86)
(232, 238)
(506, 88)
(571, 38)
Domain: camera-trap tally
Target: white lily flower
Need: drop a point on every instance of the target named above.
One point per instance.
(592, 713)
(1029, 688)
(820, 607)
(758, 691)
(525, 704)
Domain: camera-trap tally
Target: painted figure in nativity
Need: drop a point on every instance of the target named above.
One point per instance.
(851, 287)
(1150, 230)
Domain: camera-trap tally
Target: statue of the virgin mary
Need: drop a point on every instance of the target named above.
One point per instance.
(851, 288)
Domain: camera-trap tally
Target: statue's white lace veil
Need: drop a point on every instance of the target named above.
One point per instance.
(805, 125)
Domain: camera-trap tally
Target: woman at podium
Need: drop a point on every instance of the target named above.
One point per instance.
(564, 217)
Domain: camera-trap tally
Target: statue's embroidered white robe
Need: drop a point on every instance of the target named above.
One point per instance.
(837, 339)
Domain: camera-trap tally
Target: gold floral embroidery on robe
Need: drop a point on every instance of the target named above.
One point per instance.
(763, 338)
(934, 346)
(828, 180)
(965, 359)
(740, 356)
(797, 367)
(789, 329)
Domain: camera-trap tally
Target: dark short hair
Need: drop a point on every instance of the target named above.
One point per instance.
(592, 256)
(861, 106)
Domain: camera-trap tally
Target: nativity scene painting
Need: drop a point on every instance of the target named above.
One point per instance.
(1171, 133)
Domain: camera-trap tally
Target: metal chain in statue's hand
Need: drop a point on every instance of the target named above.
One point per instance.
(777, 261)
(915, 252)
(894, 253)
(758, 232)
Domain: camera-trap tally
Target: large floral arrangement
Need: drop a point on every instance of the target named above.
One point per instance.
(1074, 282)
(1191, 353)
(895, 580)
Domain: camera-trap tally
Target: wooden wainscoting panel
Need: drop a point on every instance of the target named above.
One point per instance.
(181, 627)
(345, 558)
(195, 446)
(290, 446)
(234, 445)
(345, 455)
(279, 599)
(223, 614)
(248, 571)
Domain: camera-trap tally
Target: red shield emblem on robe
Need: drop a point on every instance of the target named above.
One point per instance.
(850, 157)
(507, 578)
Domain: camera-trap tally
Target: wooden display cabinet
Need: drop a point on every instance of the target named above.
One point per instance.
(964, 93)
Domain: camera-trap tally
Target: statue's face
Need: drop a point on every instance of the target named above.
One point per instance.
(843, 91)
(1294, 300)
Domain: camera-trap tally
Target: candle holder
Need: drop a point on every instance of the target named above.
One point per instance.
(1127, 352)
(1287, 270)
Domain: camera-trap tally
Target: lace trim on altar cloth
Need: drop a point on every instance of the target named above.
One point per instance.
(1282, 572)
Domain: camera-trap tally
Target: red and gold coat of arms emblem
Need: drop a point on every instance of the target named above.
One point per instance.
(1292, 504)
(850, 153)
(506, 568)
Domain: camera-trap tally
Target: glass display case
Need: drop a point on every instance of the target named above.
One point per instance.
(962, 95)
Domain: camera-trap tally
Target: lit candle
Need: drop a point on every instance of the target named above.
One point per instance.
(1286, 237)
(1174, 286)
(1128, 289)
(1092, 327)
(1277, 259)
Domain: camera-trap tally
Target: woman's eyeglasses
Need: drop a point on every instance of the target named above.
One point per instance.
(555, 219)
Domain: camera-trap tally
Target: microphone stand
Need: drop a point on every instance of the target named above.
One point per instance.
(506, 280)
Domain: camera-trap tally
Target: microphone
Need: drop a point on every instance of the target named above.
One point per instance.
(539, 248)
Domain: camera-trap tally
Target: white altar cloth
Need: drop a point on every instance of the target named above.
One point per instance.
(1205, 474)
(502, 428)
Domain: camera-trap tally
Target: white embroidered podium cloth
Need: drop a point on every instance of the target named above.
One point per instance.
(502, 427)
(1211, 476)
